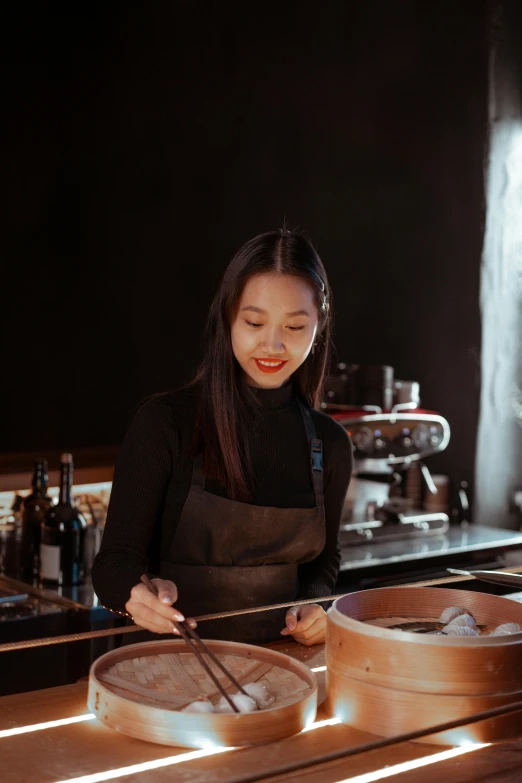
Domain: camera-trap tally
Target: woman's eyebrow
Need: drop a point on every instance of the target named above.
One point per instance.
(255, 309)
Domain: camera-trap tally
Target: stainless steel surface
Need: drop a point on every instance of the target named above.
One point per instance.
(514, 580)
(42, 594)
(362, 493)
(16, 604)
(472, 538)
(411, 524)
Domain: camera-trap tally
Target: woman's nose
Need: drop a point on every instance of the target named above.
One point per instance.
(273, 342)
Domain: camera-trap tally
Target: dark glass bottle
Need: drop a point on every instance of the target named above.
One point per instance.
(62, 533)
(35, 507)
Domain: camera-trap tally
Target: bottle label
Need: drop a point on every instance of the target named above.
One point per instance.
(50, 562)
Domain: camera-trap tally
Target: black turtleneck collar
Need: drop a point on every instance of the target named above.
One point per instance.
(275, 399)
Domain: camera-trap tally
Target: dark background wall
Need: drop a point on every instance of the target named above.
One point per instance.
(144, 142)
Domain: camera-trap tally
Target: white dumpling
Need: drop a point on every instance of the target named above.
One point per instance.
(463, 620)
(506, 628)
(450, 613)
(460, 630)
(259, 693)
(242, 702)
(199, 706)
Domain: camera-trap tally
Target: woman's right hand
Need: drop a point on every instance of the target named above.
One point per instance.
(155, 612)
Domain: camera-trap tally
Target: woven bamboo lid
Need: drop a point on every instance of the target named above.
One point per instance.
(141, 689)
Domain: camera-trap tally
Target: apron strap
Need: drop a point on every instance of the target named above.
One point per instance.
(316, 454)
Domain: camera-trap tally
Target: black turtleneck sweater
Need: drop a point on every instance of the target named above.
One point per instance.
(153, 465)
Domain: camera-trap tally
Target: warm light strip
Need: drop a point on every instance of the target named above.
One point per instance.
(319, 669)
(98, 777)
(320, 723)
(48, 725)
(407, 766)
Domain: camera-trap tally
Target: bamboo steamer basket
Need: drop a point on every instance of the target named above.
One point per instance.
(140, 690)
(389, 681)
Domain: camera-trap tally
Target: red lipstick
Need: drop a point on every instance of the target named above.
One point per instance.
(271, 366)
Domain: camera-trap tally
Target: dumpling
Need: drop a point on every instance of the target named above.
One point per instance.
(463, 620)
(260, 694)
(242, 702)
(203, 705)
(460, 630)
(506, 628)
(450, 613)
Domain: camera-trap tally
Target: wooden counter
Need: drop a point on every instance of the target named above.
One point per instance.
(78, 751)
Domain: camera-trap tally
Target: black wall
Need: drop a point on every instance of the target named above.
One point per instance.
(145, 142)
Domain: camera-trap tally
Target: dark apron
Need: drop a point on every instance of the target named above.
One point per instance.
(228, 555)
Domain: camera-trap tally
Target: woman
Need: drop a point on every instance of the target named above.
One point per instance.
(230, 490)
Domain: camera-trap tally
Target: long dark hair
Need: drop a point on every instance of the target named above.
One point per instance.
(226, 403)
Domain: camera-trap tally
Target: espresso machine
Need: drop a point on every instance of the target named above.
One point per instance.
(392, 436)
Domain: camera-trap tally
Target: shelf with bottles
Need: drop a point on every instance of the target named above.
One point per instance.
(22, 513)
(91, 498)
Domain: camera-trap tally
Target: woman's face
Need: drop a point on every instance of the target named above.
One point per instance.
(274, 327)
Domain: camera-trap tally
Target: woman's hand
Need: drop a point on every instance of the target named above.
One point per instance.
(155, 612)
(307, 624)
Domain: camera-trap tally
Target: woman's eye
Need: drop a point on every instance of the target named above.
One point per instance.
(258, 326)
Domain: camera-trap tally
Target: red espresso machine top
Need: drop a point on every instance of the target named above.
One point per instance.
(398, 436)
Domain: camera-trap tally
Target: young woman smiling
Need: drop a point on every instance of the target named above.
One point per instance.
(230, 490)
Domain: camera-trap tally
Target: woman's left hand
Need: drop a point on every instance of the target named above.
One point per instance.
(307, 624)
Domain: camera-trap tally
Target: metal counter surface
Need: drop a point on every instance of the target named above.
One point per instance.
(457, 541)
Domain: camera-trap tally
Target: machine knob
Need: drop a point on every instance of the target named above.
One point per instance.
(421, 436)
(380, 443)
(435, 436)
(363, 439)
(404, 441)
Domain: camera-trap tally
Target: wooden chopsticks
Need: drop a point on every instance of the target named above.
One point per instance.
(199, 648)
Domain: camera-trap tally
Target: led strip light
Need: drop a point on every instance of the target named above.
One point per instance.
(408, 766)
(50, 724)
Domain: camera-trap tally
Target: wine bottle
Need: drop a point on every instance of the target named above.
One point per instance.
(35, 506)
(62, 532)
